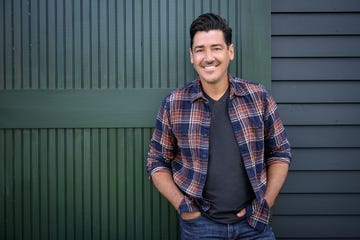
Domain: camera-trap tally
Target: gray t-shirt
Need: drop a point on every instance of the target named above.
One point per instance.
(227, 186)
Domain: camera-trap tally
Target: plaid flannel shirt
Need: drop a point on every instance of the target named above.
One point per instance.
(180, 142)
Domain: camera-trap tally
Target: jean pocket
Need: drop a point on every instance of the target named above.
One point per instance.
(191, 220)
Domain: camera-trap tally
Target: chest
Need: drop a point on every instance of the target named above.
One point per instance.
(191, 121)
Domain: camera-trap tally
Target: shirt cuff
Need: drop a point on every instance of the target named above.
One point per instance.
(187, 205)
(258, 214)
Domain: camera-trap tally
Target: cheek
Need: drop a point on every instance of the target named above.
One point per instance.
(195, 60)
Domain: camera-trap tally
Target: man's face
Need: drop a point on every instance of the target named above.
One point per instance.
(211, 56)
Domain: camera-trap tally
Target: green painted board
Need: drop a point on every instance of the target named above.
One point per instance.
(79, 108)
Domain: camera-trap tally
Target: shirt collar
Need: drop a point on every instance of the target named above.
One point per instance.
(235, 89)
(196, 91)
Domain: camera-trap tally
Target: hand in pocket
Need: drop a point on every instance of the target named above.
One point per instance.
(190, 215)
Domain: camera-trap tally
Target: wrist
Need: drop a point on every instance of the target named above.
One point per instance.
(269, 201)
(187, 205)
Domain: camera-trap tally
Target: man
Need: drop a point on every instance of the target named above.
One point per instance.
(219, 152)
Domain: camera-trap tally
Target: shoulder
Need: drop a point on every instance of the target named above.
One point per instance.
(244, 87)
(184, 93)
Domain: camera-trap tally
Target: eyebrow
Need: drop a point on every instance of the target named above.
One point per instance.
(213, 45)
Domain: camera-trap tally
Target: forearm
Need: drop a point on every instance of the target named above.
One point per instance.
(276, 176)
(165, 184)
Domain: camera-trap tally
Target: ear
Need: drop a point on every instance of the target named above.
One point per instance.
(231, 51)
(191, 56)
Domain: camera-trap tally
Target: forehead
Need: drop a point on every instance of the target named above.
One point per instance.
(209, 38)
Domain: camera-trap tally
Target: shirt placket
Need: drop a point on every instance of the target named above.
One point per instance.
(240, 137)
(205, 135)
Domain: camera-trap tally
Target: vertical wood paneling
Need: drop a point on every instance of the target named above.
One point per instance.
(2, 186)
(80, 184)
(83, 45)
(2, 45)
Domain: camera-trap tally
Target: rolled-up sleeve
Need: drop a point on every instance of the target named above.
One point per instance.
(162, 144)
(277, 146)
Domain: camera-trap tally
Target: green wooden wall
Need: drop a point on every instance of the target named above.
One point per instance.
(80, 83)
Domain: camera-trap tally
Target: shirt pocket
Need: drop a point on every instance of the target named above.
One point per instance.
(256, 126)
(188, 137)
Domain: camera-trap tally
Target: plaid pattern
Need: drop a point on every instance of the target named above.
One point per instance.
(180, 142)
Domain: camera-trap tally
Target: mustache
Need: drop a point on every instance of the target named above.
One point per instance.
(209, 63)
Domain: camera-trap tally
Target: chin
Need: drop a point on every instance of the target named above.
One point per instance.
(211, 80)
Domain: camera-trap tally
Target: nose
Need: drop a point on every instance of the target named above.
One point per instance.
(209, 57)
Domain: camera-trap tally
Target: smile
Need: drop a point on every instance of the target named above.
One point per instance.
(209, 68)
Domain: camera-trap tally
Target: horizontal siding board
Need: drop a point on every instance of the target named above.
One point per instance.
(315, 46)
(315, 6)
(317, 204)
(320, 114)
(325, 159)
(319, 227)
(315, 69)
(315, 24)
(316, 91)
(324, 136)
(79, 108)
(322, 182)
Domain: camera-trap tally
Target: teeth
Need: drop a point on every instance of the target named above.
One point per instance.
(210, 67)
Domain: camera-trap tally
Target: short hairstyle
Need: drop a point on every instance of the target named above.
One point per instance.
(210, 21)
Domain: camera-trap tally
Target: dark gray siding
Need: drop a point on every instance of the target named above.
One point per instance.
(316, 82)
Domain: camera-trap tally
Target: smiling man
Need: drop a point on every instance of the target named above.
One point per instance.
(219, 152)
(211, 56)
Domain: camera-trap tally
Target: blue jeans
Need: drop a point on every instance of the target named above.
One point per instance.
(204, 228)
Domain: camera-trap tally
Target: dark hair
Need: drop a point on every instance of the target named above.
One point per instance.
(210, 21)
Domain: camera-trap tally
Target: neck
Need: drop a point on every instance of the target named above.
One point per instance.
(215, 90)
